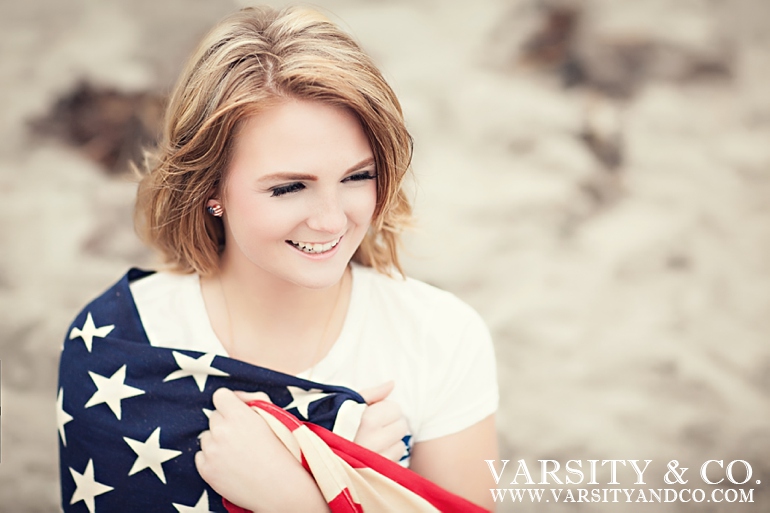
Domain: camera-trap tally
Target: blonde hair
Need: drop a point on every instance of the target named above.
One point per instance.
(251, 60)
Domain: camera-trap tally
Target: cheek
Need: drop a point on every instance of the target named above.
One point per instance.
(363, 203)
(257, 219)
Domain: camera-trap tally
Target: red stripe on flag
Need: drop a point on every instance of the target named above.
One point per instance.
(359, 457)
(232, 508)
(286, 418)
(344, 502)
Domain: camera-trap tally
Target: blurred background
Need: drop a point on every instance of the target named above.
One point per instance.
(593, 177)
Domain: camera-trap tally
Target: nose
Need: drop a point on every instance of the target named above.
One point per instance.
(328, 214)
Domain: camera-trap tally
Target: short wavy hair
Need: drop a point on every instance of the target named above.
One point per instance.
(251, 60)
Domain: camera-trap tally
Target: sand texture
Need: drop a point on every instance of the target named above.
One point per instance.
(593, 177)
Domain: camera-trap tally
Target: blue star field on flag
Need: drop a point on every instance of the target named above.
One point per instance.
(129, 414)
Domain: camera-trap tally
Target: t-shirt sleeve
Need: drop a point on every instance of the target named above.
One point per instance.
(461, 375)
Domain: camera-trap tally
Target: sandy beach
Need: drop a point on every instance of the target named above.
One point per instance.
(593, 177)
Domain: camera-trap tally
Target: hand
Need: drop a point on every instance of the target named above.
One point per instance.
(383, 425)
(234, 448)
(243, 460)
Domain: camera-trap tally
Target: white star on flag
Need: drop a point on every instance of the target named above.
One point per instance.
(150, 455)
(112, 390)
(199, 369)
(301, 398)
(86, 487)
(202, 506)
(89, 331)
(62, 417)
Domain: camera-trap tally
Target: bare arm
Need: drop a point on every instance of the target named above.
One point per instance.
(456, 462)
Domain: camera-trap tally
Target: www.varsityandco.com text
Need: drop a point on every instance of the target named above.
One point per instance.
(720, 481)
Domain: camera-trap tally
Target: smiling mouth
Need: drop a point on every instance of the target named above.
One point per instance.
(315, 248)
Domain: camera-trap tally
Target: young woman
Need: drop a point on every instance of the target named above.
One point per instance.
(276, 199)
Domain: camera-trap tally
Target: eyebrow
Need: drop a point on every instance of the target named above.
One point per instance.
(312, 178)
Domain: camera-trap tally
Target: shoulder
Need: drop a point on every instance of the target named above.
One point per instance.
(440, 348)
(409, 298)
(161, 286)
(425, 321)
(173, 312)
(112, 313)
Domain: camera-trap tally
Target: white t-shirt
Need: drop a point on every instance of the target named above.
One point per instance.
(436, 348)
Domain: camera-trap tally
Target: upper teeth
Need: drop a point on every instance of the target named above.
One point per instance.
(309, 247)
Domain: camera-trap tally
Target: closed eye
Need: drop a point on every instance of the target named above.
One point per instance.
(298, 186)
(358, 177)
(286, 189)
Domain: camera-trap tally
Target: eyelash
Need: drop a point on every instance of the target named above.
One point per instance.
(298, 186)
(286, 189)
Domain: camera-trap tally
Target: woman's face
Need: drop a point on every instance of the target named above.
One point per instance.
(299, 194)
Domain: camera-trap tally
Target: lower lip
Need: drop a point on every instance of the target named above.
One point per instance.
(317, 256)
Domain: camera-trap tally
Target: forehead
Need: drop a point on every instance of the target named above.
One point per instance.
(299, 136)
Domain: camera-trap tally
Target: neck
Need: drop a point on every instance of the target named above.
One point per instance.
(266, 296)
(268, 321)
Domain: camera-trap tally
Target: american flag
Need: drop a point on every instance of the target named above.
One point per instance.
(129, 415)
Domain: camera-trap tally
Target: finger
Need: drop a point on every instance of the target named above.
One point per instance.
(227, 403)
(247, 397)
(395, 451)
(398, 429)
(216, 419)
(200, 462)
(382, 413)
(384, 437)
(221, 396)
(204, 467)
(204, 439)
(378, 393)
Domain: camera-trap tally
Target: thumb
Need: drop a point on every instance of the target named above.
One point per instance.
(376, 394)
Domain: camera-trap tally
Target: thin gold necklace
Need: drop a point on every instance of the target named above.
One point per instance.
(319, 347)
(322, 343)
